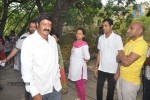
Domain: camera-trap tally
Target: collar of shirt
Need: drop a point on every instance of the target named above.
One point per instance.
(39, 36)
(138, 39)
(28, 33)
(110, 36)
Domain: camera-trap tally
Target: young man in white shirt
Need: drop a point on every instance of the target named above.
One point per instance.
(109, 45)
(39, 58)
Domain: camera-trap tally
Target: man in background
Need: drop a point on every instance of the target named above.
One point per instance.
(31, 29)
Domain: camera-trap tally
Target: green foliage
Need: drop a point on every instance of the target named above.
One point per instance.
(18, 15)
(83, 12)
(148, 13)
(120, 12)
(146, 21)
(48, 5)
(1, 8)
(66, 45)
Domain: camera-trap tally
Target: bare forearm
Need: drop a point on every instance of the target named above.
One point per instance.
(118, 68)
(125, 61)
(97, 60)
(128, 60)
(12, 53)
(97, 64)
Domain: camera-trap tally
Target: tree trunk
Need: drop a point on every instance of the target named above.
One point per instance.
(60, 6)
(4, 17)
(40, 8)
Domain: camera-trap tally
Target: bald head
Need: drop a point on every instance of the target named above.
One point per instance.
(139, 26)
(135, 30)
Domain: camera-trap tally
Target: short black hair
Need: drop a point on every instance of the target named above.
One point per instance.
(43, 16)
(82, 29)
(32, 21)
(110, 21)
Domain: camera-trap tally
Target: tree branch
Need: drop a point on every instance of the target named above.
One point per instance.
(40, 8)
(4, 18)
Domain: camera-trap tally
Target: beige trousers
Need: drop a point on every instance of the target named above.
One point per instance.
(126, 90)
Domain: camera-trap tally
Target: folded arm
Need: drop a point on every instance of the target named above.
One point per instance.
(127, 60)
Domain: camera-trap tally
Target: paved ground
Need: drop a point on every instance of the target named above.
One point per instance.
(14, 89)
(12, 83)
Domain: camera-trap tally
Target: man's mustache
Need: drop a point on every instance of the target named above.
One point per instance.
(46, 30)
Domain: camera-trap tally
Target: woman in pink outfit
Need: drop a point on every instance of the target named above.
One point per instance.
(78, 68)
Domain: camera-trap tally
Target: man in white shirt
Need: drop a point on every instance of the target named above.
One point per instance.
(39, 58)
(18, 46)
(109, 45)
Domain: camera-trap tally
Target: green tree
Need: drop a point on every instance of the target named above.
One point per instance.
(146, 21)
(17, 13)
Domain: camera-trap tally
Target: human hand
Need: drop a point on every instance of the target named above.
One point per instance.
(120, 56)
(85, 60)
(121, 53)
(96, 72)
(64, 91)
(116, 76)
(37, 97)
(4, 60)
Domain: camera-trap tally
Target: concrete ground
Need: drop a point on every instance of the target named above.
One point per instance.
(14, 88)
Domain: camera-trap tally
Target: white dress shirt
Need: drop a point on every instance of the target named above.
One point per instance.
(40, 69)
(108, 51)
(21, 39)
(77, 62)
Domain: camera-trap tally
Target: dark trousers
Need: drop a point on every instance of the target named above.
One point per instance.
(55, 95)
(102, 76)
(146, 89)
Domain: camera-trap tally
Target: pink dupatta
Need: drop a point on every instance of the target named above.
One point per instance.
(78, 44)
